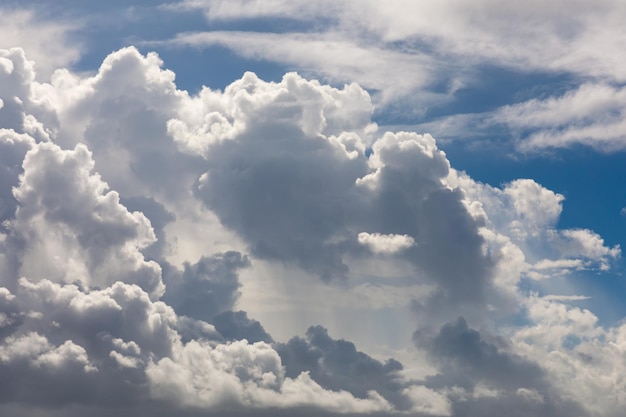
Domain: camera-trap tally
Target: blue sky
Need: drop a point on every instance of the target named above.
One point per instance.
(268, 207)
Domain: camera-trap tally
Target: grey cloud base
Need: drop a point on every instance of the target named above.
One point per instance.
(104, 178)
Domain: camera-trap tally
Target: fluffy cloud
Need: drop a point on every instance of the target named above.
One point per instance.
(309, 142)
(470, 364)
(88, 311)
(129, 209)
(71, 229)
(245, 375)
(522, 228)
(385, 243)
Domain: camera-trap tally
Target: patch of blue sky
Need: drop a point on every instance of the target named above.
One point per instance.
(143, 25)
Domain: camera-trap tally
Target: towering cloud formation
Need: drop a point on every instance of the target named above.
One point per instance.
(129, 208)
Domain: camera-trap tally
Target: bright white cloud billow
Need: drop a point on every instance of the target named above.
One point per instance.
(107, 179)
(385, 243)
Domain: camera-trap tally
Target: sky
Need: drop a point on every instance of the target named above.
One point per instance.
(335, 208)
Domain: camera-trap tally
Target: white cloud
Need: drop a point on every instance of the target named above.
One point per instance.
(88, 307)
(244, 374)
(591, 115)
(100, 172)
(522, 222)
(439, 48)
(329, 56)
(535, 205)
(379, 243)
(540, 38)
(582, 357)
(77, 229)
(47, 43)
(429, 402)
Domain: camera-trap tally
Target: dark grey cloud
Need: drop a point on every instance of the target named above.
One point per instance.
(299, 190)
(410, 198)
(236, 325)
(467, 359)
(463, 349)
(338, 365)
(159, 217)
(286, 194)
(206, 288)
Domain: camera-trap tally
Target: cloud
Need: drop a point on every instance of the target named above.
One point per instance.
(48, 43)
(325, 190)
(245, 375)
(72, 229)
(479, 31)
(577, 351)
(327, 55)
(119, 336)
(590, 114)
(235, 325)
(206, 288)
(522, 219)
(337, 365)
(90, 309)
(470, 363)
(356, 40)
(21, 110)
(130, 208)
(14, 147)
(379, 243)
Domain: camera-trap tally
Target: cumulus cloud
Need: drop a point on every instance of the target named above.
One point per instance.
(472, 365)
(130, 208)
(337, 365)
(91, 309)
(325, 190)
(397, 160)
(70, 228)
(206, 288)
(522, 219)
(379, 243)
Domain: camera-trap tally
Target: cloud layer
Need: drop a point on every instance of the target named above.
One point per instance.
(440, 53)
